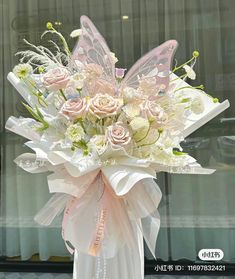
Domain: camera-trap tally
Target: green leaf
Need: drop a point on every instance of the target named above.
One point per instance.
(44, 127)
(78, 120)
(38, 116)
(179, 153)
(39, 113)
(81, 144)
(31, 111)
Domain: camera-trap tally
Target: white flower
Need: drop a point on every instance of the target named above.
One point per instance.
(74, 85)
(197, 105)
(114, 58)
(75, 132)
(78, 80)
(76, 33)
(130, 94)
(131, 110)
(140, 127)
(139, 123)
(23, 70)
(99, 143)
(190, 72)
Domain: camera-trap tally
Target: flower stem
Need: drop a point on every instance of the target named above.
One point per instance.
(66, 47)
(184, 75)
(187, 62)
(80, 121)
(29, 82)
(145, 134)
(62, 93)
(147, 144)
(199, 87)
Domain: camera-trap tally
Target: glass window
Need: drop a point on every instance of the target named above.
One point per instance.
(197, 211)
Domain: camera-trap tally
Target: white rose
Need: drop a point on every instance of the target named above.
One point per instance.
(78, 80)
(130, 94)
(140, 127)
(99, 143)
(131, 110)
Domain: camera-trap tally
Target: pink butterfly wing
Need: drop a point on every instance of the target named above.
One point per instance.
(156, 63)
(92, 48)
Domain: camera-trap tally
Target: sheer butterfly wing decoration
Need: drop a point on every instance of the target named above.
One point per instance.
(92, 48)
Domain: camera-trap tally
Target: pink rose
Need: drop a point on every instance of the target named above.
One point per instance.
(118, 134)
(153, 111)
(74, 108)
(56, 78)
(104, 105)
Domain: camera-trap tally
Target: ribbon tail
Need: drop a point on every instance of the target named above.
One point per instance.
(150, 229)
(51, 209)
(143, 201)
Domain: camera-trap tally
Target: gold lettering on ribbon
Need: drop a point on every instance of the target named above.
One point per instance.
(97, 240)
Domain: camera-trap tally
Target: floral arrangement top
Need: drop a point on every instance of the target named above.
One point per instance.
(84, 106)
(104, 135)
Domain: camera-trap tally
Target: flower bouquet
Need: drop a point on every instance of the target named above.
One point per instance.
(103, 135)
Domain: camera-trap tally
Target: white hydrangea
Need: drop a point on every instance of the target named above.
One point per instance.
(75, 132)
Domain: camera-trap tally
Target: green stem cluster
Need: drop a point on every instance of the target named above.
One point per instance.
(37, 115)
(182, 76)
(37, 93)
(82, 144)
(160, 130)
(195, 55)
(53, 30)
(199, 87)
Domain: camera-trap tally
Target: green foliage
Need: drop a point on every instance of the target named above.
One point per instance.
(37, 115)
